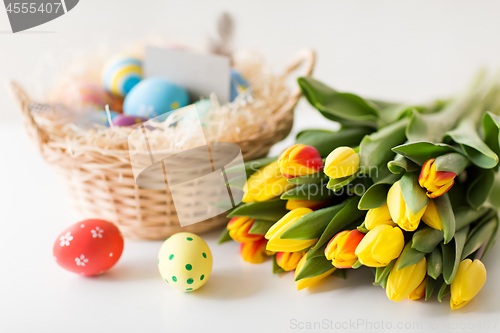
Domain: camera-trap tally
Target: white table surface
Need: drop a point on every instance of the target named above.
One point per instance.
(36, 295)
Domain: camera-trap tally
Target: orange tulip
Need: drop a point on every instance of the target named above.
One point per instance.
(239, 227)
(340, 250)
(435, 182)
(254, 252)
(288, 261)
(300, 160)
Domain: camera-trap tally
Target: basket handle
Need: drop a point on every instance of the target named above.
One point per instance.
(306, 58)
(23, 101)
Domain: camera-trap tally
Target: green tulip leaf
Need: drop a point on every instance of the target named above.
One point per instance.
(276, 268)
(383, 272)
(224, 237)
(338, 183)
(445, 211)
(413, 195)
(465, 216)
(494, 197)
(314, 178)
(314, 267)
(376, 195)
(409, 257)
(347, 215)
(452, 253)
(260, 227)
(317, 252)
(375, 149)
(401, 164)
(480, 187)
(420, 152)
(479, 237)
(327, 141)
(345, 108)
(435, 263)
(430, 284)
(491, 129)
(341, 273)
(271, 210)
(251, 166)
(309, 192)
(492, 239)
(478, 152)
(426, 239)
(443, 291)
(312, 225)
(452, 162)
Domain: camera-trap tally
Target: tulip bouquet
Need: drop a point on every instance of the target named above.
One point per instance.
(412, 192)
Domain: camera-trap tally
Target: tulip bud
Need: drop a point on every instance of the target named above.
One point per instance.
(435, 182)
(288, 261)
(308, 282)
(419, 292)
(380, 246)
(253, 252)
(266, 183)
(378, 216)
(400, 212)
(401, 283)
(287, 245)
(431, 216)
(341, 162)
(239, 227)
(340, 250)
(292, 204)
(300, 160)
(470, 278)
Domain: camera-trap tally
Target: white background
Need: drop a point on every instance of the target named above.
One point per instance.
(409, 51)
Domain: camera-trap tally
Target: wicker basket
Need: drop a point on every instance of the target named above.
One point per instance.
(103, 185)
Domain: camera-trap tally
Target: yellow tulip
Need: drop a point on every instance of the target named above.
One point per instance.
(419, 292)
(288, 261)
(401, 283)
(291, 204)
(266, 183)
(308, 282)
(378, 216)
(400, 212)
(253, 252)
(431, 216)
(470, 278)
(380, 246)
(341, 162)
(287, 245)
(239, 228)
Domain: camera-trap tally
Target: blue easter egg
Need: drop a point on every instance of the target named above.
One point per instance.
(154, 96)
(202, 107)
(121, 73)
(101, 117)
(238, 84)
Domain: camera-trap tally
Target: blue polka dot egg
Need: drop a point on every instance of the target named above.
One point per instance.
(154, 96)
(185, 261)
(239, 85)
(121, 73)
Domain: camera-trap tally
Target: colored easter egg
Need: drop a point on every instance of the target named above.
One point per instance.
(84, 95)
(124, 120)
(121, 73)
(185, 261)
(239, 84)
(154, 96)
(88, 247)
(203, 107)
(100, 117)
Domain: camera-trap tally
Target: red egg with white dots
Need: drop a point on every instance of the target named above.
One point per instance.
(89, 247)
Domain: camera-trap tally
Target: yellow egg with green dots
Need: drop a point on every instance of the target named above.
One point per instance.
(185, 261)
